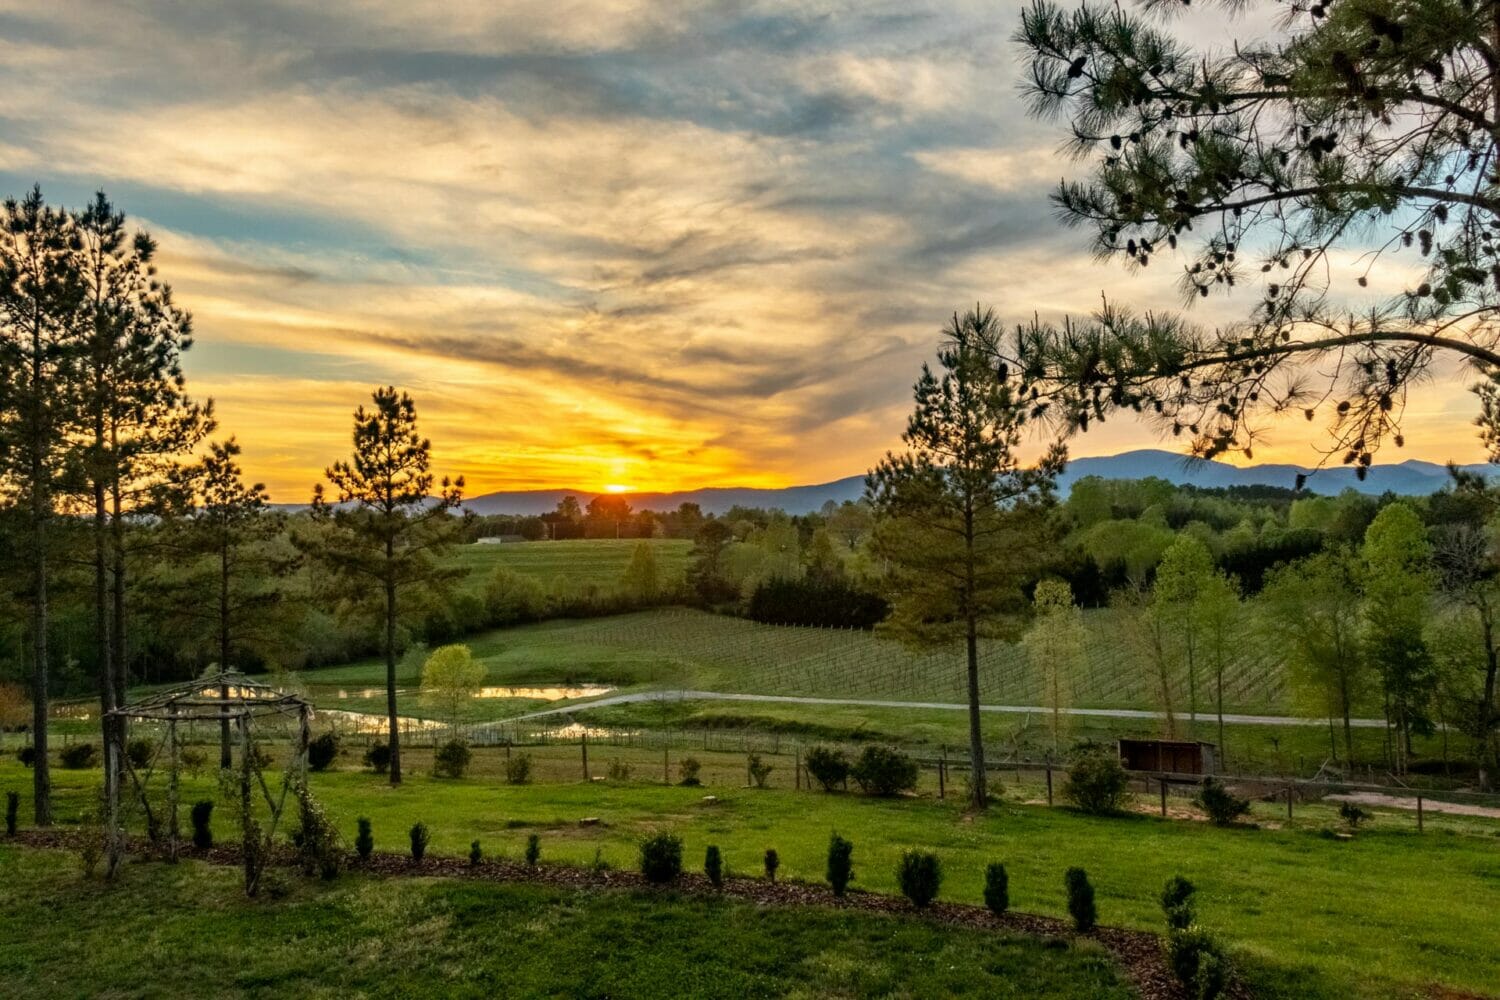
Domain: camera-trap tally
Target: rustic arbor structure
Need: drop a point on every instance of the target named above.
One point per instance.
(225, 698)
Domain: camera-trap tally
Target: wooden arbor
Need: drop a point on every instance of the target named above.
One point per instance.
(230, 699)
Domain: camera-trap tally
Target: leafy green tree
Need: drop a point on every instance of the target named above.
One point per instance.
(1054, 644)
(451, 677)
(1186, 567)
(1340, 172)
(386, 527)
(850, 523)
(1398, 585)
(959, 520)
(1218, 612)
(1469, 571)
(642, 580)
(707, 572)
(511, 596)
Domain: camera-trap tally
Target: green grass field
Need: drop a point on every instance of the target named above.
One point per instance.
(1388, 914)
(581, 563)
(165, 931)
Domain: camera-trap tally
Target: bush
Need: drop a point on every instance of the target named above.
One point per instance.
(618, 771)
(1177, 902)
(518, 769)
(378, 757)
(884, 771)
(1096, 783)
(476, 854)
(27, 756)
(840, 864)
(1197, 961)
(920, 875)
(1222, 806)
(688, 770)
(759, 770)
(139, 752)
(452, 759)
(1352, 814)
(533, 850)
(996, 888)
(322, 751)
(661, 857)
(713, 866)
(318, 847)
(772, 862)
(420, 838)
(364, 840)
(1080, 900)
(829, 767)
(193, 760)
(202, 815)
(79, 756)
(12, 812)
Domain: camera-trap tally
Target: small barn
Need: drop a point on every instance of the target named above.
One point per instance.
(1168, 756)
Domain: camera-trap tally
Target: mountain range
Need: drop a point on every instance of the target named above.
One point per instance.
(1410, 478)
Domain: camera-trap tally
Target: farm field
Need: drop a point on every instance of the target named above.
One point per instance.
(593, 562)
(188, 931)
(1308, 915)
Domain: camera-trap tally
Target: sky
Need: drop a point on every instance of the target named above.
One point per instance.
(602, 242)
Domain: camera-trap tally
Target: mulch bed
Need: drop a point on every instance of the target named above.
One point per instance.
(1139, 953)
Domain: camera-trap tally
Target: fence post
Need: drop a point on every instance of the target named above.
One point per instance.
(1419, 813)
(1049, 782)
(1162, 778)
(748, 779)
(1288, 801)
(797, 769)
(666, 764)
(943, 774)
(583, 743)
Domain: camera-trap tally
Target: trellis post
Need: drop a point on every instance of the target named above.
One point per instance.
(247, 822)
(173, 829)
(112, 847)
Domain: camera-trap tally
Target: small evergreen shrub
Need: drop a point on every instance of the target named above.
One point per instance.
(661, 857)
(713, 866)
(1212, 976)
(518, 769)
(378, 758)
(1197, 961)
(27, 756)
(840, 871)
(1097, 782)
(759, 770)
(317, 840)
(476, 854)
(533, 849)
(12, 812)
(139, 752)
(996, 888)
(202, 815)
(687, 772)
(420, 838)
(1222, 806)
(1080, 900)
(772, 862)
(1352, 814)
(920, 875)
(364, 840)
(1177, 902)
(79, 756)
(452, 759)
(828, 767)
(322, 751)
(884, 771)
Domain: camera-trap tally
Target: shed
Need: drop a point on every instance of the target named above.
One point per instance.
(1168, 756)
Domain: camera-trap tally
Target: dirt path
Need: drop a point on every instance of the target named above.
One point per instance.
(1384, 801)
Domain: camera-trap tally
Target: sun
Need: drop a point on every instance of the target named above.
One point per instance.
(616, 488)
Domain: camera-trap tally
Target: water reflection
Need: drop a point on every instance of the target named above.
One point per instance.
(545, 693)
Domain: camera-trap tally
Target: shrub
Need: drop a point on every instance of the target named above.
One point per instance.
(840, 864)
(12, 812)
(829, 767)
(378, 757)
(1222, 805)
(1177, 902)
(1080, 900)
(1197, 961)
(713, 866)
(420, 838)
(920, 875)
(618, 771)
(533, 849)
(452, 759)
(364, 840)
(322, 751)
(772, 862)
(27, 756)
(139, 752)
(884, 771)
(688, 770)
(78, 756)
(759, 770)
(476, 854)
(193, 760)
(661, 857)
(318, 847)
(1096, 783)
(90, 850)
(202, 815)
(1352, 814)
(996, 888)
(518, 769)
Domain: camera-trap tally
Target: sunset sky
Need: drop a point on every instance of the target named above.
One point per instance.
(654, 244)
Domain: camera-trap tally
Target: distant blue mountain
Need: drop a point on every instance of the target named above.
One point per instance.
(1410, 478)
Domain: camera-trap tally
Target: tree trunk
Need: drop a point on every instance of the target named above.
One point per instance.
(108, 698)
(41, 771)
(224, 737)
(1487, 734)
(978, 780)
(390, 675)
(117, 624)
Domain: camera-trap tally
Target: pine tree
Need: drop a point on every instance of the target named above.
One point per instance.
(957, 514)
(385, 528)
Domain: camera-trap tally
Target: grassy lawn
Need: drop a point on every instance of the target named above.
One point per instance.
(597, 562)
(165, 931)
(1390, 913)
